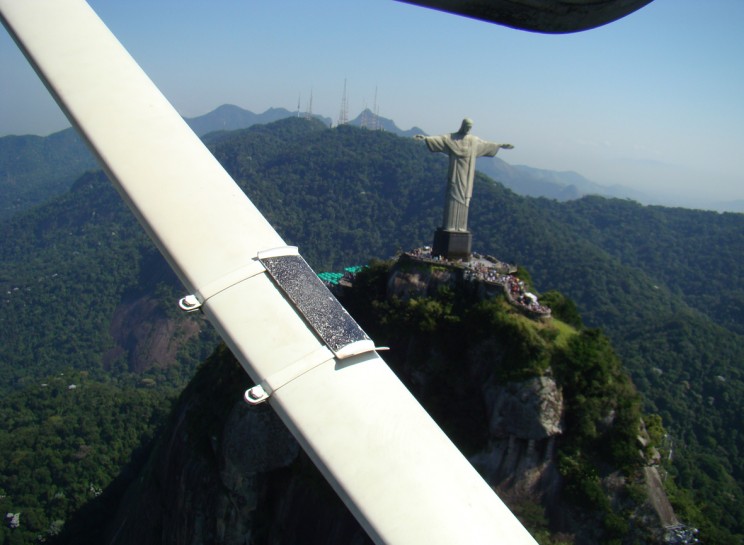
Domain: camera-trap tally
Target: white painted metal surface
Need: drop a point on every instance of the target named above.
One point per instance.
(394, 468)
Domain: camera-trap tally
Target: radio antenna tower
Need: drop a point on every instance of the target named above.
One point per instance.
(376, 126)
(366, 120)
(343, 116)
(309, 112)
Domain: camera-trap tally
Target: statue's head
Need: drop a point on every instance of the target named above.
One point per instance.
(467, 124)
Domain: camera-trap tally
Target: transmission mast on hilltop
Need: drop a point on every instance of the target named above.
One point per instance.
(309, 112)
(343, 116)
(365, 118)
(370, 119)
(376, 125)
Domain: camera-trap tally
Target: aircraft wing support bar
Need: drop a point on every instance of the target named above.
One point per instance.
(397, 472)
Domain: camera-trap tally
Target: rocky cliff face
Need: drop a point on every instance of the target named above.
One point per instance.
(230, 473)
(145, 336)
(146, 328)
(227, 473)
(525, 420)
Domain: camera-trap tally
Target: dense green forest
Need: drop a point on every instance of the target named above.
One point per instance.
(72, 419)
(450, 349)
(66, 267)
(444, 337)
(64, 441)
(34, 168)
(664, 284)
(377, 193)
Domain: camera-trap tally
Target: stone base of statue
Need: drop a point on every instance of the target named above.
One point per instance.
(452, 244)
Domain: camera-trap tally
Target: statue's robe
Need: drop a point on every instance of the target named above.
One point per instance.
(463, 150)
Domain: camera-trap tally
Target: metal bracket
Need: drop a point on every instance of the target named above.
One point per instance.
(189, 303)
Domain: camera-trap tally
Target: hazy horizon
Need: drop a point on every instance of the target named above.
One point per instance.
(651, 102)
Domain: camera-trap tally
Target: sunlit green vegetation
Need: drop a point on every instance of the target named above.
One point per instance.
(445, 336)
(71, 418)
(37, 168)
(664, 285)
(64, 440)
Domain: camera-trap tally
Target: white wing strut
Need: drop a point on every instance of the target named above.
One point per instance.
(397, 472)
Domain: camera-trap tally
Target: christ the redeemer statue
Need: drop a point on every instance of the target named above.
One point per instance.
(453, 239)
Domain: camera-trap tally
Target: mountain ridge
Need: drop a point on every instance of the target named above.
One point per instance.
(344, 195)
(512, 437)
(56, 160)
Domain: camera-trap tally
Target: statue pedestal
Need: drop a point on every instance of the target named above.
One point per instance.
(452, 244)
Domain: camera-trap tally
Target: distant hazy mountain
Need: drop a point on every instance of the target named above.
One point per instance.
(369, 120)
(532, 182)
(561, 186)
(33, 168)
(729, 206)
(230, 118)
(667, 285)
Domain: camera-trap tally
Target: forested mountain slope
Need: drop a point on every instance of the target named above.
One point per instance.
(353, 194)
(34, 168)
(527, 401)
(68, 269)
(693, 252)
(91, 352)
(663, 283)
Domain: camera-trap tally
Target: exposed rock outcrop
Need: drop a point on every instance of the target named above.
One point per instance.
(530, 409)
(228, 473)
(145, 336)
(525, 422)
(410, 282)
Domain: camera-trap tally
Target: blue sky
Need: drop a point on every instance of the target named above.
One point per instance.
(654, 101)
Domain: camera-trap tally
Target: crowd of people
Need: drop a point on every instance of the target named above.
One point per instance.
(479, 269)
(679, 534)
(490, 271)
(483, 272)
(515, 290)
(423, 254)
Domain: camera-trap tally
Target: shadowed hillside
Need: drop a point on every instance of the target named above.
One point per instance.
(542, 409)
(664, 284)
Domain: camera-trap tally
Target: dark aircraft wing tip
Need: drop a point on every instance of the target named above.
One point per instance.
(546, 16)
